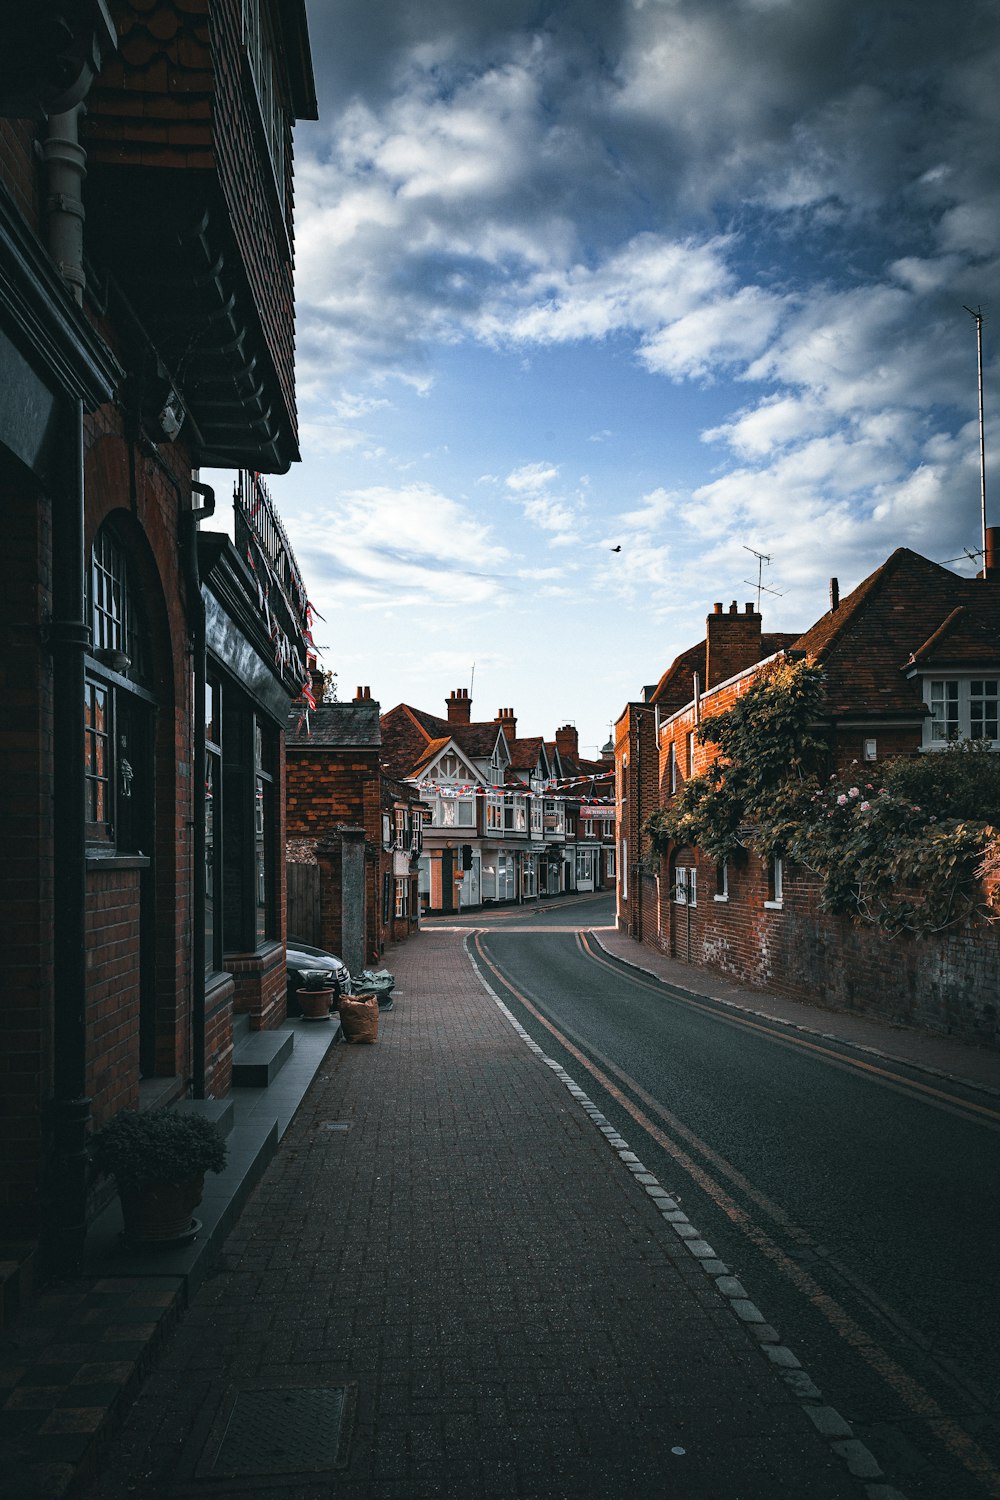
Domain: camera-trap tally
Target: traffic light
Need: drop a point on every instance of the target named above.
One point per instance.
(466, 856)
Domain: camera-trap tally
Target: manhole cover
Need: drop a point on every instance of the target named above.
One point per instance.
(335, 1124)
(280, 1430)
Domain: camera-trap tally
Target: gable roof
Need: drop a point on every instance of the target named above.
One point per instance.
(676, 687)
(909, 612)
(335, 726)
(407, 731)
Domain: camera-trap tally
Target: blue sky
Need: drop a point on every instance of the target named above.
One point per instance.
(681, 275)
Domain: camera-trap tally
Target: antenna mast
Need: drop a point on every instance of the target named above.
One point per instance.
(978, 315)
(760, 585)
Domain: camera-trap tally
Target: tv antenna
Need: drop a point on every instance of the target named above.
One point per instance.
(760, 585)
(977, 313)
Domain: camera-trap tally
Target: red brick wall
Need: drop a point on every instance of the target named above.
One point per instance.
(112, 990)
(259, 985)
(946, 983)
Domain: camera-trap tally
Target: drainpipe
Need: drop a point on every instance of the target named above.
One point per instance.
(196, 615)
(64, 1191)
(65, 160)
(64, 1206)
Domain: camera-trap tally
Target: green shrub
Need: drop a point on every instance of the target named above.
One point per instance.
(161, 1145)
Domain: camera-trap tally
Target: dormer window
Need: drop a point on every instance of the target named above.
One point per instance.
(961, 708)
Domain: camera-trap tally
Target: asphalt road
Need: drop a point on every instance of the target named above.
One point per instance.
(858, 1204)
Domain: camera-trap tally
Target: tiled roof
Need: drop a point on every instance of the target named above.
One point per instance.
(407, 732)
(909, 607)
(525, 754)
(676, 687)
(336, 725)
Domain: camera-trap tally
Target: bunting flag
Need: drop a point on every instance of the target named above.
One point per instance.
(308, 695)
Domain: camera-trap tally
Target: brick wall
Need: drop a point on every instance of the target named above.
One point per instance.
(944, 984)
(113, 991)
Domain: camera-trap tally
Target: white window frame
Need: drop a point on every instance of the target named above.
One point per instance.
(775, 883)
(609, 863)
(685, 885)
(956, 693)
(722, 881)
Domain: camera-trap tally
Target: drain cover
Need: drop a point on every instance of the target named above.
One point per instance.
(336, 1124)
(280, 1430)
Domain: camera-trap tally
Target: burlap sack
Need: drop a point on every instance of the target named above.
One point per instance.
(359, 1018)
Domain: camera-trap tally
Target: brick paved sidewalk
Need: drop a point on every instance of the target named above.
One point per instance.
(508, 1306)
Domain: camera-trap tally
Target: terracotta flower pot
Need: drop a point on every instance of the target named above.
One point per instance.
(315, 1004)
(161, 1213)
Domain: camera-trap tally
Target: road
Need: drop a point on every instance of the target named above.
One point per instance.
(855, 1199)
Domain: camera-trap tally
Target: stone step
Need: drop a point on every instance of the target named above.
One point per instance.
(259, 1059)
(220, 1111)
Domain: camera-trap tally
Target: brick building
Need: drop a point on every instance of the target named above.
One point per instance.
(911, 661)
(503, 824)
(353, 832)
(145, 331)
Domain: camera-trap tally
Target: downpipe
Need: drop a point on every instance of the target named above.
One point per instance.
(196, 615)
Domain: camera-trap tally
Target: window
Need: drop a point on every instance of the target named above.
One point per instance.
(672, 768)
(536, 817)
(264, 829)
(722, 880)
(961, 708)
(402, 898)
(686, 885)
(623, 869)
(117, 707)
(400, 818)
(213, 825)
(494, 813)
(609, 864)
(690, 752)
(775, 881)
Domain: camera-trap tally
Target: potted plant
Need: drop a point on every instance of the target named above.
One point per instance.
(316, 996)
(158, 1160)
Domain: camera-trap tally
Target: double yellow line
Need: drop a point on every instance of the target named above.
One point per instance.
(918, 1401)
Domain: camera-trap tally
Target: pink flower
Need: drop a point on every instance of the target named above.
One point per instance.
(841, 800)
(865, 806)
(855, 792)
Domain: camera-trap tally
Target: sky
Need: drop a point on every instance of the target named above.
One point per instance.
(687, 278)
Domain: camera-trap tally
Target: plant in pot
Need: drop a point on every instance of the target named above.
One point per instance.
(316, 995)
(158, 1160)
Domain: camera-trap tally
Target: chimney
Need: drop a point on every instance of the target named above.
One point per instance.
(363, 695)
(507, 720)
(732, 642)
(991, 562)
(317, 682)
(459, 706)
(568, 742)
(834, 593)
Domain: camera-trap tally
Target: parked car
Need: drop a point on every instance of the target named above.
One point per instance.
(301, 959)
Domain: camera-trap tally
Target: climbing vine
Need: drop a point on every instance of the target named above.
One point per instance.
(904, 852)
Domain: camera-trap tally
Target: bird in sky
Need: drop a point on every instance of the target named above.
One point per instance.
(618, 548)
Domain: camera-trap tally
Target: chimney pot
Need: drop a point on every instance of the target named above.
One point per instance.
(991, 559)
(717, 609)
(748, 609)
(834, 593)
(734, 608)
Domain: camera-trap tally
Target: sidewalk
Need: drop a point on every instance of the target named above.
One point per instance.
(454, 1279)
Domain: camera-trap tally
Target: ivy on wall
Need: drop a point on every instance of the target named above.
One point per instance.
(904, 852)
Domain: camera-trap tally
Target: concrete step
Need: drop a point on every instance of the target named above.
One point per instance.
(220, 1111)
(259, 1059)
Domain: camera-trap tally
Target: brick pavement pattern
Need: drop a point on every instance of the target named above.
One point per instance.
(518, 1318)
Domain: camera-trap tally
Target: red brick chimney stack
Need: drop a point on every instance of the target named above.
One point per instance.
(507, 720)
(568, 742)
(459, 706)
(732, 642)
(318, 682)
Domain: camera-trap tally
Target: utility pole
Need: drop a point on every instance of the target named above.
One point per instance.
(977, 313)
